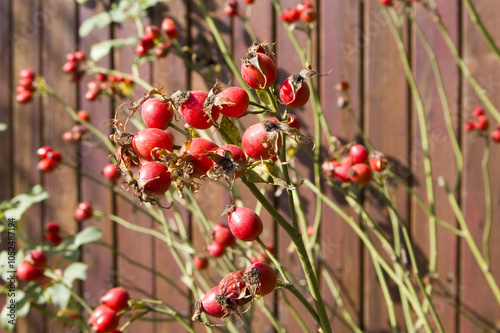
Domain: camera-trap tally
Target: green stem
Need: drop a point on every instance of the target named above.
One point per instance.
(487, 198)
(470, 241)
(424, 138)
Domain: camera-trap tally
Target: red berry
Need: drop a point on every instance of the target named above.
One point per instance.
(101, 77)
(238, 156)
(147, 42)
(294, 122)
(27, 272)
(215, 249)
(358, 154)
(256, 143)
(360, 173)
(141, 50)
(55, 155)
(231, 9)
(111, 171)
(209, 304)
(255, 78)
(116, 298)
(469, 126)
(257, 258)
(293, 93)
(377, 162)
(68, 137)
(265, 275)
(198, 148)
(157, 113)
(155, 178)
(21, 89)
(146, 140)
(24, 97)
(232, 286)
(52, 228)
(477, 111)
(37, 258)
(193, 113)
(70, 67)
(91, 95)
(104, 319)
(223, 235)
(290, 15)
(495, 135)
(481, 123)
(79, 56)
(153, 32)
(84, 211)
(26, 83)
(249, 1)
(47, 165)
(168, 25)
(200, 262)
(83, 115)
(341, 172)
(386, 2)
(308, 15)
(26, 74)
(245, 224)
(54, 239)
(233, 102)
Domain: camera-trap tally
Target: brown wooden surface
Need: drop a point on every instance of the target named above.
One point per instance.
(353, 40)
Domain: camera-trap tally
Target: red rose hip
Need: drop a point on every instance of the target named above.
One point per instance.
(146, 140)
(155, 178)
(157, 113)
(244, 223)
(116, 299)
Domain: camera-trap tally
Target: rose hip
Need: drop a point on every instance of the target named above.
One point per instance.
(155, 178)
(256, 143)
(198, 148)
(157, 113)
(233, 102)
(193, 111)
(257, 78)
(244, 223)
(116, 299)
(146, 140)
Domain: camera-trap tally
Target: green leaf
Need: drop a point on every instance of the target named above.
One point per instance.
(58, 295)
(3, 127)
(100, 50)
(87, 235)
(230, 130)
(265, 172)
(95, 22)
(24, 201)
(264, 97)
(76, 270)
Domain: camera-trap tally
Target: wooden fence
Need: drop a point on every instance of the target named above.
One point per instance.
(353, 40)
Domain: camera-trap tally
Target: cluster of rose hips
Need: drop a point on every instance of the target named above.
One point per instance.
(106, 317)
(153, 39)
(31, 269)
(83, 211)
(25, 87)
(236, 289)
(49, 159)
(303, 11)
(71, 65)
(78, 131)
(357, 167)
(480, 123)
(112, 85)
(53, 235)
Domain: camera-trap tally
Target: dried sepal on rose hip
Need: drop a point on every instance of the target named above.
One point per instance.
(258, 70)
(232, 291)
(196, 107)
(260, 279)
(378, 162)
(264, 48)
(230, 163)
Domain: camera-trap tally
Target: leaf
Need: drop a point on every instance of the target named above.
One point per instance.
(58, 295)
(87, 235)
(3, 127)
(230, 130)
(97, 21)
(265, 173)
(76, 270)
(100, 50)
(22, 202)
(263, 97)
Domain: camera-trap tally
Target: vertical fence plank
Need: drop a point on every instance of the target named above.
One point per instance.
(441, 154)
(475, 295)
(26, 127)
(100, 260)
(171, 73)
(62, 182)
(382, 68)
(341, 50)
